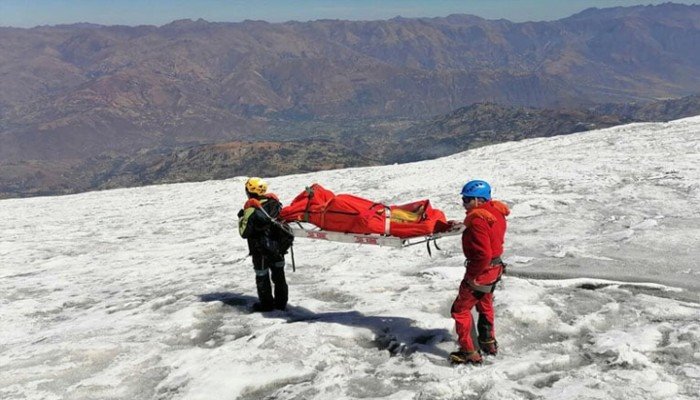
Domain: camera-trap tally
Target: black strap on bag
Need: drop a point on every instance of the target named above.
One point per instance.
(309, 196)
(284, 229)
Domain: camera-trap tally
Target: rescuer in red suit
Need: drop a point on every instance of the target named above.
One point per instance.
(482, 243)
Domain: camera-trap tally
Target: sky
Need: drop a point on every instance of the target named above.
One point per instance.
(24, 13)
(144, 293)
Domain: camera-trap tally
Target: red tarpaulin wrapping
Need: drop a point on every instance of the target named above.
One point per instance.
(352, 214)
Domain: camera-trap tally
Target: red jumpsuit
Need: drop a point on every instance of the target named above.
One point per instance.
(482, 243)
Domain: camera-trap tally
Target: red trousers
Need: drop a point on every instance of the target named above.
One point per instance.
(462, 314)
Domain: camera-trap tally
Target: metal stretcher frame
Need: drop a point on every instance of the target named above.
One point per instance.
(310, 231)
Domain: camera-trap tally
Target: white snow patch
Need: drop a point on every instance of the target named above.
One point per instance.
(144, 292)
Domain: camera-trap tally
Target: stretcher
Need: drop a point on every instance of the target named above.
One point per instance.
(318, 213)
(310, 231)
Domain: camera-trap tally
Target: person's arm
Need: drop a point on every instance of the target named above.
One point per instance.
(479, 253)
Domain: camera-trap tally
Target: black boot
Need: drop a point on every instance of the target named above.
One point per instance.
(281, 289)
(262, 282)
(487, 342)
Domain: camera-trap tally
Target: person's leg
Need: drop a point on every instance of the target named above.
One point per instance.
(462, 314)
(281, 289)
(262, 283)
(486, 324)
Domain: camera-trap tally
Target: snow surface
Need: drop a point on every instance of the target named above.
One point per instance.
(144, 293)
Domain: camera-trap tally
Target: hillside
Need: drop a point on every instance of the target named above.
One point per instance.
(667, 110)
(484, 124)
(76, 91)
(334, 144)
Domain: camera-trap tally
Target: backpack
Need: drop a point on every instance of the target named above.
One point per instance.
(278, 241)
(286, 237)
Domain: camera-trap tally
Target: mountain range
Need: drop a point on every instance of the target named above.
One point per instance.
(74, 94)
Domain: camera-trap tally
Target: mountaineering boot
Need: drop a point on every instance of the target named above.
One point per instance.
(262, 282)
(281, 289)
(489, 346)
(466, 357)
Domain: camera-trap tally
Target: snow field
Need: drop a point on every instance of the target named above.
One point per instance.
(144, 293)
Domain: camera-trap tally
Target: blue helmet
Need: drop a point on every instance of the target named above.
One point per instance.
(477, 188)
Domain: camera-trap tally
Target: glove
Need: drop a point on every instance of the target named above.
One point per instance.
(255, 203)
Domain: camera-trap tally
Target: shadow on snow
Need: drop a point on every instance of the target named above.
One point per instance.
(395, 334)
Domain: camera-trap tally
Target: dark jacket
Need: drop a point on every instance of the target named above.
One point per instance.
(265, 235)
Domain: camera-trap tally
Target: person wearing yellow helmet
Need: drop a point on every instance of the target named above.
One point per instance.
(255, 186)
(268, 242)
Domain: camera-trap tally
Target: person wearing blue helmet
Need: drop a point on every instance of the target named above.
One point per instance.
(477, 189)
(482, 244)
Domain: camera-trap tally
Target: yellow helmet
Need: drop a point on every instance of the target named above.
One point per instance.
(256, 186)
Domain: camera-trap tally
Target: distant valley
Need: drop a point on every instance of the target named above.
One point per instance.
(353, 144)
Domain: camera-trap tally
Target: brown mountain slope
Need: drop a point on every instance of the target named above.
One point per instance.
(76, 91)
(353, 143)
(657, 111)
(483, 124)
(198, 163)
